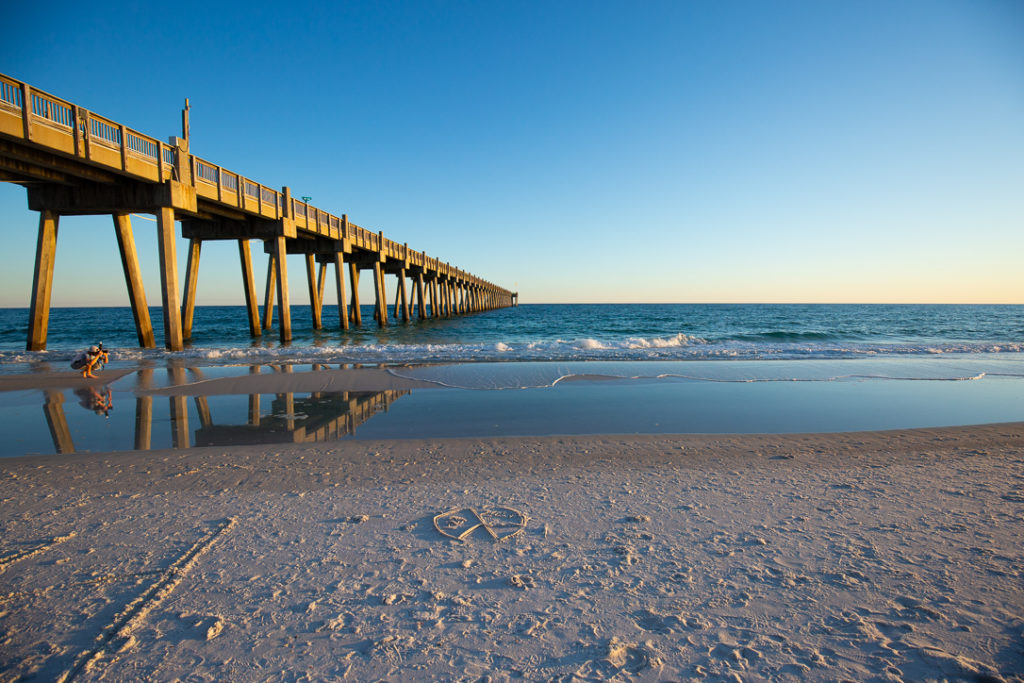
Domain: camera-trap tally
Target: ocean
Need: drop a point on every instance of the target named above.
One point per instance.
(537, 370)
(549, 332)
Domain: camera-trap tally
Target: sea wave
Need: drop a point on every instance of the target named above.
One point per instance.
(677, 347)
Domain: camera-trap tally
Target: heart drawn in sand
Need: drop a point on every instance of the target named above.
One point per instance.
(500, 522)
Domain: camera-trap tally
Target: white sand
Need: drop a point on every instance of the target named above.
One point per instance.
(874, 556)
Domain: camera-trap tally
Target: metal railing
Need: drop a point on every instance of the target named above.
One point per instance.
(268, 196)
(104, 131)
(206, 172)
(142, 145)
(52, 110)
(10, 93)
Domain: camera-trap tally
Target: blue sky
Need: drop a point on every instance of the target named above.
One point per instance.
(573, 151)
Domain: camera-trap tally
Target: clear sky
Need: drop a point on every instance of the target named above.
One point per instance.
(590, 151)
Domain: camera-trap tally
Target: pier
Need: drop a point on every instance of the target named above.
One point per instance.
(75, 162)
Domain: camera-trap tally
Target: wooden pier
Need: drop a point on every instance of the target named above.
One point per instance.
(75, 162)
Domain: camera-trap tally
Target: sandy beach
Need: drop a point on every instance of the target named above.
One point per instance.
(863, 556)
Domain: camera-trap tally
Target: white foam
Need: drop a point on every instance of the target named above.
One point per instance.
(677, 347)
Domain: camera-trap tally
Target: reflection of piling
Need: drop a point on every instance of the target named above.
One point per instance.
(143, 423)
(203, 408)
(179, 411)
(254, 400)
(53, 408)
(323, 416)
(144, 412)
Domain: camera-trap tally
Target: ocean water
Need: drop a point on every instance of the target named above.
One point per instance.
(612, 332)
(533, 370)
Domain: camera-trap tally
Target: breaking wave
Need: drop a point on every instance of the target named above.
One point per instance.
(678, 347)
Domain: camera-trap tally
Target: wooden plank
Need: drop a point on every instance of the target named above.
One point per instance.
(42, 281)
(124, 148)
(169, 279)
(26, 110)
(249, 285)
(133, 280)
(188, 308)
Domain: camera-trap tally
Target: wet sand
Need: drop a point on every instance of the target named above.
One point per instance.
(862, 556)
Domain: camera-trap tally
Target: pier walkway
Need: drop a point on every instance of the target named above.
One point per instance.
(75, 162)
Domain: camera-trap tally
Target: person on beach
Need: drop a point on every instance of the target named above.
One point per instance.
(87, 360)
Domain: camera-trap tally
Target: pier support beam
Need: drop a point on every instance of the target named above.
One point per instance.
(320, 281)
(169, 279)
(314, 291)
(420, 303)
(42, 281)
(339, 276)
(404, 297)
(249, 284)
(353, 277)
(133, 279)
(381, 313)
(280, 258)
(188, 308)
(398, 298)
(268, 297)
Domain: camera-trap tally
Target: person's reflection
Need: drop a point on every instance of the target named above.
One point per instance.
(98, 401)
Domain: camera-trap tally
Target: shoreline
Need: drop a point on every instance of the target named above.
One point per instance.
(868, 555)
(150, 408)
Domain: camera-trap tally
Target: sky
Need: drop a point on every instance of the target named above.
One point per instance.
(578, 151)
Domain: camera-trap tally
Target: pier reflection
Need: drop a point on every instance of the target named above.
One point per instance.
(247, 419)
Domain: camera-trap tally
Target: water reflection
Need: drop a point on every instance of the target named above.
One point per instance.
(320, 417)
(233, 419)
